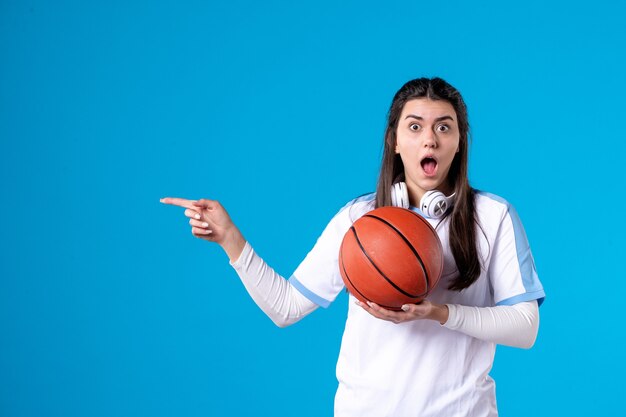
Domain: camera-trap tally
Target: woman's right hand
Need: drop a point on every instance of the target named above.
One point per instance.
(210, 221)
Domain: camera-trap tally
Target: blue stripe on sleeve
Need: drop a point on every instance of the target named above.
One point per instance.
(322, 302)
(530, 280)
(527, 296)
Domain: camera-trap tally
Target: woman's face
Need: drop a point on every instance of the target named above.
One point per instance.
(427, 140)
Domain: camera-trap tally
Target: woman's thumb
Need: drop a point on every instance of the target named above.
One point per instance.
(202, 203)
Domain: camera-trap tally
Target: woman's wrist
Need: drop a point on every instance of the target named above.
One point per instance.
(233, 243)
(440, 313)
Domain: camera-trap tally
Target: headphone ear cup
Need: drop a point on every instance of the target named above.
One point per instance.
(400, 195)
(434, 204)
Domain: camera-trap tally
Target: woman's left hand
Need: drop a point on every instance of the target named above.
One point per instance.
(423, 310)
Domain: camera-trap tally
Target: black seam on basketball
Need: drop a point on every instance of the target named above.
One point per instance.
(345, 273)
(417, 256)
(430, 226)
(381, 272)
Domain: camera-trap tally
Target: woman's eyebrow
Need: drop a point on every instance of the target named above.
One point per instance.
(438, 119)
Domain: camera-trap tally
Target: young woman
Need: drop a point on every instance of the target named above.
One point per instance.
(434, 358)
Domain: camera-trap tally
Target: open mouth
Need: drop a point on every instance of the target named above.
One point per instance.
(429, 165)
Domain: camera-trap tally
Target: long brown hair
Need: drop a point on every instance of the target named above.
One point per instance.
(462, 232)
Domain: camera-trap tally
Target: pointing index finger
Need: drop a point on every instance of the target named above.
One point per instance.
(180, 202)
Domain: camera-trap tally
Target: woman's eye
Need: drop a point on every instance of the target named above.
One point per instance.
(414, 127)
(443, 128)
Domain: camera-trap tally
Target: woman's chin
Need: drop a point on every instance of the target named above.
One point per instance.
(423, 185)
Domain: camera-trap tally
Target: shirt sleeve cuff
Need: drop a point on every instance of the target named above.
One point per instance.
(453, 317)
(243, 256)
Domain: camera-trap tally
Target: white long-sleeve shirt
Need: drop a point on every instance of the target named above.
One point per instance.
(416, 368)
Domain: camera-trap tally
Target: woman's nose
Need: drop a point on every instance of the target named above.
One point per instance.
(430, 141)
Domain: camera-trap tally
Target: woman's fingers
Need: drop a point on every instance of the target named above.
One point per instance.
(192, 214)
(206, 217)
(196, 231)
(373, 309)
(180, 202)
(205, 203)
(384, 314)
(199, 224)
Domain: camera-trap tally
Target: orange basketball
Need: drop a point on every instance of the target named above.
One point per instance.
(391, 256)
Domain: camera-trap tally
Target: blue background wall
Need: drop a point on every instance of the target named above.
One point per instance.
(109, 306)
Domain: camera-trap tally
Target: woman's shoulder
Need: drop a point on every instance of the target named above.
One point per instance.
(367, 199)
(487, 199)
(356, 208)
(492, 207)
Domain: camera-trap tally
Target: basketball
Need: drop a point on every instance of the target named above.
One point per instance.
(391, 256)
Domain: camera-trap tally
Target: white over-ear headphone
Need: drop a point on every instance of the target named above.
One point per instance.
(434, 203)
